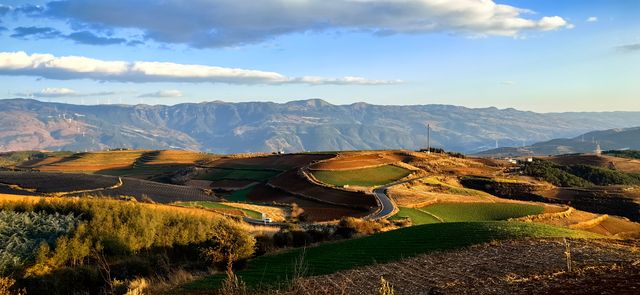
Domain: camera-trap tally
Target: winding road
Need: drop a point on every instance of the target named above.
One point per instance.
(387, 206)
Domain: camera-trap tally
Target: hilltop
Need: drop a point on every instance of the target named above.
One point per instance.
(611, 139)
(223, 127)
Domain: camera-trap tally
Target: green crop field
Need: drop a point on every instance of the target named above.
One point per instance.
(459, 212)
(383, 247)
(248, 174)
(240, 195)
(216, 205)
(362, 177)
(417, 216)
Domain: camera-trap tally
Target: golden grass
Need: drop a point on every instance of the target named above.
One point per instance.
(177, 157)
(94, 161)
(275, 213)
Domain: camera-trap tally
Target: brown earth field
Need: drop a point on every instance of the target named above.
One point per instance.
(313, 211)
(297, 184)
(622, 164)
(530, 266)
(346, 161)
(614, 200)
(276, 162)
(231, 184)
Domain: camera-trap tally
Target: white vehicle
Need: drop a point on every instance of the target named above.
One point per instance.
(266, 220)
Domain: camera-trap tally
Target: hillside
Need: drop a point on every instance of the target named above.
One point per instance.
(611, 139)
(222, 127)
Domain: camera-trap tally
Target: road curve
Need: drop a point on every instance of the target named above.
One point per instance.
(387, 206)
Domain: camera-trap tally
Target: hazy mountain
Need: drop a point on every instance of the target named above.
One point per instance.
(612, 139)
(295, 126)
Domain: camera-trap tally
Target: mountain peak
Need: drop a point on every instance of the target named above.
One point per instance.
(313, 103)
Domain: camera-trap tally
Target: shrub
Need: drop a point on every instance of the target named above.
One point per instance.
(553, 173)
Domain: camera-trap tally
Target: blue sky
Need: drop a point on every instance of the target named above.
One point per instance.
(531, 55)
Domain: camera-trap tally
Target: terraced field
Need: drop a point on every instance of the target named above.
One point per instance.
(348, 161)
(41, 182)
(296, 184)
(464, 212)
(158, 192)
(380, 248)
(373, 176)
(276, 162)
(312, 210)
(214, 174)
(93, 162)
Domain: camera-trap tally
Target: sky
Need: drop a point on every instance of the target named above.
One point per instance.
(539, 55)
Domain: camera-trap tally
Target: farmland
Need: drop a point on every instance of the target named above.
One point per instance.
(530, 266)
(214, 174)
(93, 162)
(374, 176)
(294, 183)
(384, 247)
(217, 205)
(463, 212)
(440, 208)
(57, 182)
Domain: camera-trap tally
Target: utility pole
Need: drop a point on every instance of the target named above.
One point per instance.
(428, 139)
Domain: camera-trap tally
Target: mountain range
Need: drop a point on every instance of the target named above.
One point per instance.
(612, 139)
(306, 125)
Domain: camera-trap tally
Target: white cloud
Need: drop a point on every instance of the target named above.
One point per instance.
(78, 67)
(548, 23)
(62, 92)
(508, 83)
(592, 19)
(163, 93)
(216, 23)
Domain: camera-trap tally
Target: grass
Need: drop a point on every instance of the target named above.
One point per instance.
(240, 174)
(450, 189)
(417, 216)
(240, 195)
(381, 248)
(216, 205)
(362, 177)
(463, 212)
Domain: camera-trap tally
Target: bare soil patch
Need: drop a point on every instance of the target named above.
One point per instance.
(510, 267)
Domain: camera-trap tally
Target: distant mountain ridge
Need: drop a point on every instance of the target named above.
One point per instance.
(612, 139)
(306, 125)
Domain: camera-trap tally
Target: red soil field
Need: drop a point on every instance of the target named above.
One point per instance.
(231, 184)
(358, 160)
(313, 211)
(296, 184)
(277, 162)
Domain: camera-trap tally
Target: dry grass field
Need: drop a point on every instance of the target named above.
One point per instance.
(93, 162)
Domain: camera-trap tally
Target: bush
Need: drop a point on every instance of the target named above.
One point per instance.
(553, 173)
(75, 234)
(350, 226)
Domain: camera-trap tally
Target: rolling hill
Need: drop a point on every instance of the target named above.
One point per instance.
(611, 139)
(314, 124)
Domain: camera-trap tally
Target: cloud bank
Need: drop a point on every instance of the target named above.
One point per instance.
(81, 37)
(52, 92)
(219, 23)
(79, 67)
